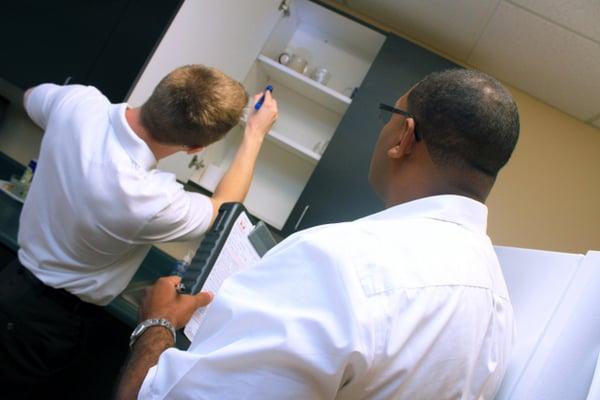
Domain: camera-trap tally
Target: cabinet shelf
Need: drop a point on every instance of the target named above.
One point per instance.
(290, 145)
(302, 84)
(294, 147)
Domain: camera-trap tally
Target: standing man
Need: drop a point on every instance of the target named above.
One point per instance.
(97, 204)
(408, 303)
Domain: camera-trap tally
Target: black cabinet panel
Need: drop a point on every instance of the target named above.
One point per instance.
(139, 30)
(50, 41)
(338, 189)
(104, 43)
(6, 256)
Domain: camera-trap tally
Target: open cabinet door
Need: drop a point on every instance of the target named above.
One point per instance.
(226, 34)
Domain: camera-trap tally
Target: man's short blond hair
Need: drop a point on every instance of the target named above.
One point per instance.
(193, 105)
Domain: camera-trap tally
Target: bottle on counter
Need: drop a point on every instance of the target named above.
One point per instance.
(20, 186)
(29, 171)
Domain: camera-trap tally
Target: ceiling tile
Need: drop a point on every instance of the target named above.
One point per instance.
(549, 62)
(581, 16)
(452, 27)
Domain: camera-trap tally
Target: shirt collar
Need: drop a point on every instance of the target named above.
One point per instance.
(451, 208)
(137, 149)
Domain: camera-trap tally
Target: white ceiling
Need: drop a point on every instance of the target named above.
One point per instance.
(547, 48)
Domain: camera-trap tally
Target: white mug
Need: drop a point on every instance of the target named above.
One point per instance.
(321, 75)
(298, 64)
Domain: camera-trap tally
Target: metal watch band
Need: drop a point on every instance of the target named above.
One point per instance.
(144, 325)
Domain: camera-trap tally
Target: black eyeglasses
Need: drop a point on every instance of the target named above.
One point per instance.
(384, 109)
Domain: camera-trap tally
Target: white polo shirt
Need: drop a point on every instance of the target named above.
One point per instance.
(409, 303)
(97, 202)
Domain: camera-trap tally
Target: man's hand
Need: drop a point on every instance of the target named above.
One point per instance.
(236, 181)
(163, 301)
(260, 122)
(160, 301)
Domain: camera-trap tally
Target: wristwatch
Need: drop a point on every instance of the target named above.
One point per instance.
(141, 328)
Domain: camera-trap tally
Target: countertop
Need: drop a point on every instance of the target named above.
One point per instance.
(156, 264)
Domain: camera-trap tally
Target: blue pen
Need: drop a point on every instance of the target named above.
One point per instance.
(260, 101)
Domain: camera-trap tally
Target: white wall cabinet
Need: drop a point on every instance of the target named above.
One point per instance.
(244, 39)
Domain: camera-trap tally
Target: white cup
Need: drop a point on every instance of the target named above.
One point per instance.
(298, 64)
(321, 75)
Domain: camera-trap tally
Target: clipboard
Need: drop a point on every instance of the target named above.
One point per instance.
(232, 244)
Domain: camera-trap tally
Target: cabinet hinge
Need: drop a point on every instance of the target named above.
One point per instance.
(284, 7)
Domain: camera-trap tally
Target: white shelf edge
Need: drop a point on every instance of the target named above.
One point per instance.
(295, 76)
(289, 144)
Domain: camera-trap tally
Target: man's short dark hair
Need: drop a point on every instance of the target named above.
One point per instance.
(467, 119)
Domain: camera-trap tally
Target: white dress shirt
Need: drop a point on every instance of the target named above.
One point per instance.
(97, 203)
(409, 303)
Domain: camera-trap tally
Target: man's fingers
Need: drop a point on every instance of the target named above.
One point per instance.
(203, 299)
(269, 99)
(170, 280)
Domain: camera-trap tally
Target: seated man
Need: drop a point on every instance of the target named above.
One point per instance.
(408, 303)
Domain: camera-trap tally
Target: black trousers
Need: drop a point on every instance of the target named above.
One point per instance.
(46, 336)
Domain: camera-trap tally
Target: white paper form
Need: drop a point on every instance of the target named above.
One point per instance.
(236, 255)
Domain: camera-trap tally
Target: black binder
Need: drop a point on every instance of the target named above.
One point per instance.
(213, 242)
(207, 254)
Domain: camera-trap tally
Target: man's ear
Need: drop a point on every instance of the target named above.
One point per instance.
(194, 149)
(405, 140)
